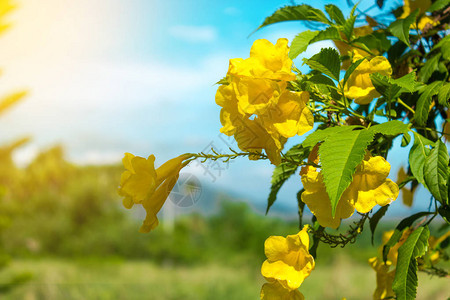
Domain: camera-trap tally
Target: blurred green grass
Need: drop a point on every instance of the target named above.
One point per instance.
(114, 279)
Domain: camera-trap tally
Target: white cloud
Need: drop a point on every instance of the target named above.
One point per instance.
(194, 34)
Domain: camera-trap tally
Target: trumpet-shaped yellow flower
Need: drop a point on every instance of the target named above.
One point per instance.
(385, 278)
(288, 259)
(140, 183)
(370, 186)
(359, 86)
(275, 291)
(252, 136)
(266, 61)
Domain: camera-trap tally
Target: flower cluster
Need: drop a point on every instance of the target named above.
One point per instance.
(370, 186)
(257, 107)
(141, 183)
(288, 264)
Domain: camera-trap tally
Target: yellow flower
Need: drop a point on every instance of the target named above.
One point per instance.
(370, 186)
(275, 291)
(256, 106)
(288, 259)
(346, 49)
(359, 86)
(424, 21)
(142, 184)
(266, 61)
(257, 95)
(252, 136)
(291, 116)
(411, 5)
(385, 278)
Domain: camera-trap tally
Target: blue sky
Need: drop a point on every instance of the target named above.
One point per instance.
(114, 76)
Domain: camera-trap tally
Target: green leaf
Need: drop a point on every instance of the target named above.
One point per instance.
(429, 67)
(391, 128)
(326, 61)
(321, 135)
(435, 172)
(301, 42)
(373, 222)
(407, 83)
(392, 88)
(301, 12)
(417, 156)
(437, 5)
(405, 223)
(335, 14)
(339, 155)
(350, 70)
(444, 95)
(405, 281)
(383, 86)
(330, 33)
(283, 171)
(424, 102)
(348, 27)
(400, 27)
(406, 139)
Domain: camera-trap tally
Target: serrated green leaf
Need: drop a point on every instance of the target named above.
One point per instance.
(417, 156)
(429, 67)
(405, 281)
(283, 171)
(350, 70)
(391, 128)
(335, 14)
(301, 12)
(300, 42)
(326, 61)
(330, 33)
(407, 83)
(383, 86)
(435, 172)
(340, 154)
(437, 5)
(321, 135)
(348, 26)
(373, 222)
(400, 27)
(444, 95)
(395, 237)
(424, 102)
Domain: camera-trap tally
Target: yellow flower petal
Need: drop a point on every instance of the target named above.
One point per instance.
(275, 291)
(288, 259)
(385, 278)
(359, 85)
